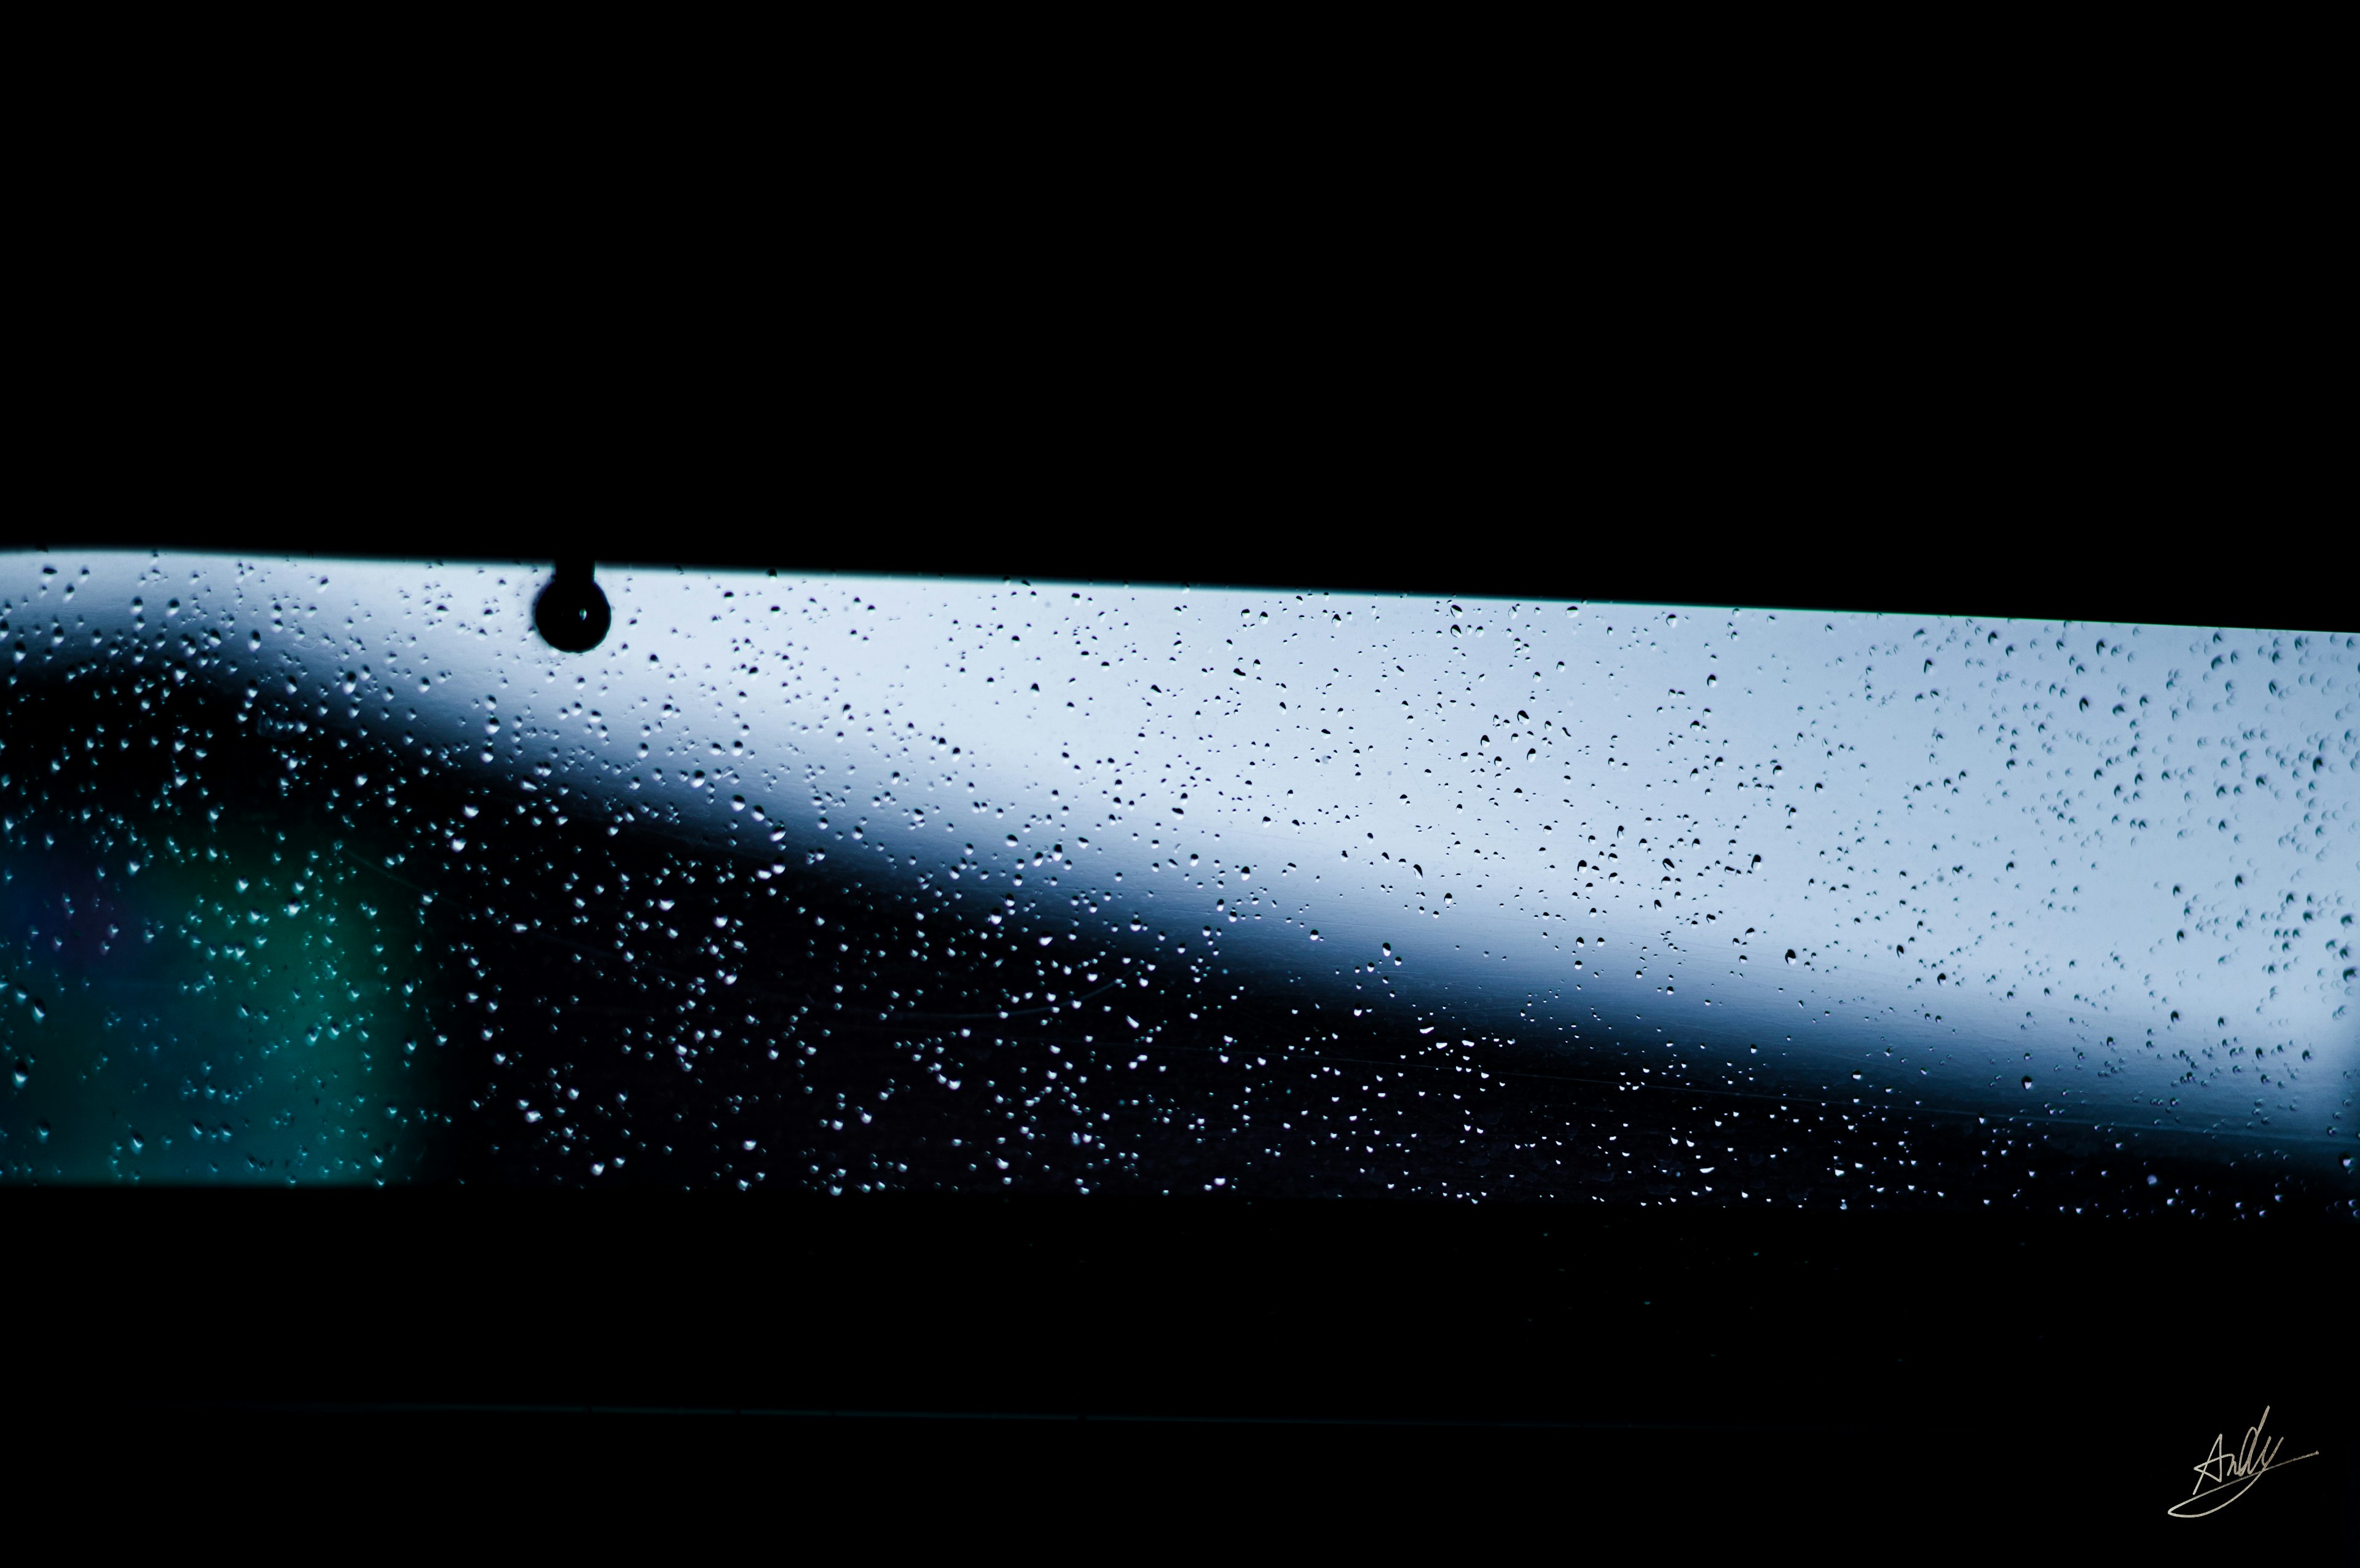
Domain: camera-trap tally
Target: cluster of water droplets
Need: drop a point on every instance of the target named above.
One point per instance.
(1122, 884)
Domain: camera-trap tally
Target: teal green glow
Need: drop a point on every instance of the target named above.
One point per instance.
(235, 1010)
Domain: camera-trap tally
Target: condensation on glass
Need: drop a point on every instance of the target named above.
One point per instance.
(332, 871)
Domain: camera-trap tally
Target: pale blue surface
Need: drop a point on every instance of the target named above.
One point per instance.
(1999, 851)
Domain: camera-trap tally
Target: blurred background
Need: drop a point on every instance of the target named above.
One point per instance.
(333, 871)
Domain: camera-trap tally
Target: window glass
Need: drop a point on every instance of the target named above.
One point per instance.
(321, 871)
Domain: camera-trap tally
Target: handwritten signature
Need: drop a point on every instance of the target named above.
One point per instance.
(2223, 1476)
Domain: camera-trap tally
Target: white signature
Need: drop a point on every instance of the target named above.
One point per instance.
(2223, 1476)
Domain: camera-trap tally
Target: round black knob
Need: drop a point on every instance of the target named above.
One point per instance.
(571, 613)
